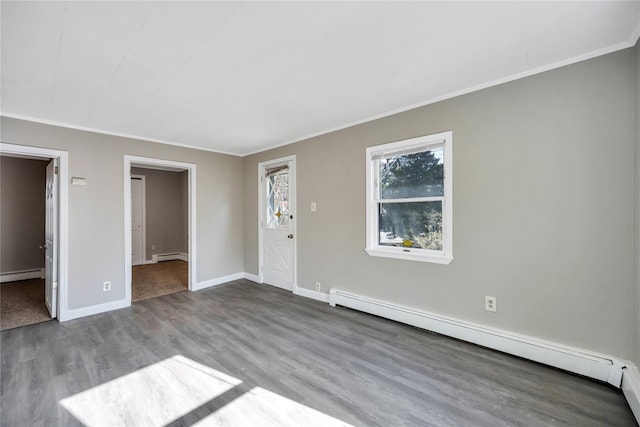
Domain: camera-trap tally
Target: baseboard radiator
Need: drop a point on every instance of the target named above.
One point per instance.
(13, 276)
(593, 365)
(169, 257)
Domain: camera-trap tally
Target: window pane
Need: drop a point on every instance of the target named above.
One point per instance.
(411, 225)
(412, 175)
(278, 200)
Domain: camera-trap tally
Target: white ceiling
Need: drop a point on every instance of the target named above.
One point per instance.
(241, 77)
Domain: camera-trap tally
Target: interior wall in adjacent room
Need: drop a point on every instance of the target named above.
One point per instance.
(22, 213)
(165, 211)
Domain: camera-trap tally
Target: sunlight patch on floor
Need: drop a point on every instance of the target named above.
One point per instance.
(152, 396)
(172, 388)
(260, 407)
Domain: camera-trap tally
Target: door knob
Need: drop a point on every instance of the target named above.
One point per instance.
(290, 236)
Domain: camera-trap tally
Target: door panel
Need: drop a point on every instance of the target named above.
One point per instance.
(137, 242)
(51, 234)
(278, 258)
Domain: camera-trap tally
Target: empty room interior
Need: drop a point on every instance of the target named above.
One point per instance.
(320, 213)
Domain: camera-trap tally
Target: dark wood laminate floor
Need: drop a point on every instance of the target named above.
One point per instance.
(247, 354)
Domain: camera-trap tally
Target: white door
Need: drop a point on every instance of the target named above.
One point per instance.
(51, 239)
(137, 219)
(278, 246)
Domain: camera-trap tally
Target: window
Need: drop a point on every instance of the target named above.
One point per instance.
(409, 199)
(277, 189)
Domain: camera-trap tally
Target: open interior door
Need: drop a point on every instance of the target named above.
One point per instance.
(51, 239)
(137, 219)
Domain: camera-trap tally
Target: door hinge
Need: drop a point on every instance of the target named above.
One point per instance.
(55, 170)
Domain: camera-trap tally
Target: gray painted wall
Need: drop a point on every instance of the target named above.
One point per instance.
(22, 213)
(166, 211)
(636, 322)
(543, 207)
(96, 211)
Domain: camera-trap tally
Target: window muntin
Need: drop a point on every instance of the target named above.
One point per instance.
(409, 199)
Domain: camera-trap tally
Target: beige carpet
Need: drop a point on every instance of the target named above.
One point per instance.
(22, 304)
(163, 278)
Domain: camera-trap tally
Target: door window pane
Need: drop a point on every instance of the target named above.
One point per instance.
(277, 199)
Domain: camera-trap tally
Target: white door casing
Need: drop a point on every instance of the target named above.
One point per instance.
(62, 214)
(277, 223)
(138, 240)
(51, 239)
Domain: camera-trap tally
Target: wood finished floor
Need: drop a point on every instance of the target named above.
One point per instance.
(271, 358)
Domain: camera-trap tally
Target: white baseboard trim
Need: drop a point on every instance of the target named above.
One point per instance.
(14, 276)
(217, 281)
(631, 388)
(252, 277)
(308, 293)
(584, 362)
(169, 257)
(93, 309)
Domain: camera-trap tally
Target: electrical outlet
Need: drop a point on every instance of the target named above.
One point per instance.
(106, 286)
(317, 286)
(314, 207)
(490, 303)
(153, 247)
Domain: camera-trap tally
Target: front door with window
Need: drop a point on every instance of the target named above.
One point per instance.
(278, 248)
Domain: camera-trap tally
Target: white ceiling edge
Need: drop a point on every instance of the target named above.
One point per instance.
(534, 71)
(635, 36)
(107, 132)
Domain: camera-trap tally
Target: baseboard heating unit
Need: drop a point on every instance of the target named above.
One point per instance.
(593, 365)
(13, 276)
(169, 257)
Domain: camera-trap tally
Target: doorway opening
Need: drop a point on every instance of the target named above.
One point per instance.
(33, 222)
(277, 222)
(159, 227)
(23, 191)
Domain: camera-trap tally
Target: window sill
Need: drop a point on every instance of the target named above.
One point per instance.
(411, 256)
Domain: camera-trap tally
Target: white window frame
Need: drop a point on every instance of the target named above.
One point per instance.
(373, 248)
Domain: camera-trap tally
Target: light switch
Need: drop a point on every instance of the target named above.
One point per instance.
(78, 181)
(313, 206)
